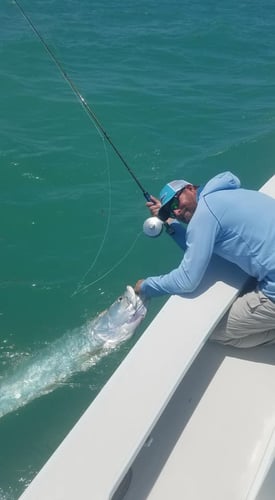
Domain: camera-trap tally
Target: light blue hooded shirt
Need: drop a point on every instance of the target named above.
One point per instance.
(234, 223)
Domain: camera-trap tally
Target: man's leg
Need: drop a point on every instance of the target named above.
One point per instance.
(249, 322)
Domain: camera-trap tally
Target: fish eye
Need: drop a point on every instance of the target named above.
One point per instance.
(120, 299)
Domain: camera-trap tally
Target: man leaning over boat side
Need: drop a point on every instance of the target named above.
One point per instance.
(235, 223)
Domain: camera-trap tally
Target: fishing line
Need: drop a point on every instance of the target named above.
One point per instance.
(112, 268)
(79, 287)
(103, 134)
(83, 102)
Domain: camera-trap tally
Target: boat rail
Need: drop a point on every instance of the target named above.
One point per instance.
(95, 458)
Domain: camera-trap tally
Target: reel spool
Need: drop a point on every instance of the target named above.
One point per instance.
(152, 227)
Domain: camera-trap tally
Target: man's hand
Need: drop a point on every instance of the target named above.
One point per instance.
(137, 286)
(154, 206)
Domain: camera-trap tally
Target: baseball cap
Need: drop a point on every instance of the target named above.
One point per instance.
(167, 194)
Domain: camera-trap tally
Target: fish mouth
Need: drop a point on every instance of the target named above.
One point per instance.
(139, 308)
(131, 295)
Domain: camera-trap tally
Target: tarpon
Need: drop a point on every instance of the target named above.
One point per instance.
(74, 352)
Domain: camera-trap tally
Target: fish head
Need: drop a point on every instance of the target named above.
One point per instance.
(119, 322)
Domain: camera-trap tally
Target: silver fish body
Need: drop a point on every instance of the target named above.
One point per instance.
(76, 351)
(119, 322)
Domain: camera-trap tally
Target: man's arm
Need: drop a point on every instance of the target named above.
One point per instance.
(201, 236)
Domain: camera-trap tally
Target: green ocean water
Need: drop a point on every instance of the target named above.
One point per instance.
(185, 90)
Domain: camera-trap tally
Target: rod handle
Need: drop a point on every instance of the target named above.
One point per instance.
(147, 197)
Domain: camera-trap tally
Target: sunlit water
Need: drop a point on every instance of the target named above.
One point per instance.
(53, 366)
(185, 90)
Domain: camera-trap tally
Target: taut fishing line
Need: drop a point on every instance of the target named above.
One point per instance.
(103, 134)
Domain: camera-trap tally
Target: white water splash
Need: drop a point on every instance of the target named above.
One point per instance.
(40, 374)
(76, 351)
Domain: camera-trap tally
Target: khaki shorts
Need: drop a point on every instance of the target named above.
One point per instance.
(249, 322)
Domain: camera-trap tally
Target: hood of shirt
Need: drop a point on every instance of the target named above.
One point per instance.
(225, 180)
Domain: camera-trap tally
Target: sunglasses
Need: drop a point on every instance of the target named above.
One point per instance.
(174, 204)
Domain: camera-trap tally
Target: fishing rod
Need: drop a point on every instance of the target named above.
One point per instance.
(85, 105)
(152, 226)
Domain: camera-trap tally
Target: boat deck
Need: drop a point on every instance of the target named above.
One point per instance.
(181, 418)
(212, 439)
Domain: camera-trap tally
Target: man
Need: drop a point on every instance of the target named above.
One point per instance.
(235, 223)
